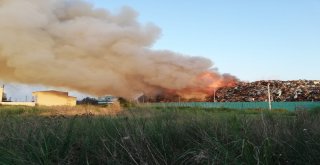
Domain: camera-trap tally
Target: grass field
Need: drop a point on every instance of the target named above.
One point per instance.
(97, 135)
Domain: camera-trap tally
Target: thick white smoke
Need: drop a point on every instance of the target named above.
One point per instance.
(70, 44)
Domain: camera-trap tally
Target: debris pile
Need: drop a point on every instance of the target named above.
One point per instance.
(281, 91)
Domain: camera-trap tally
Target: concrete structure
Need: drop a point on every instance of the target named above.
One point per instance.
(44, 98)
(30, 104)
(1, 93)
(13, 103)
(53, 98)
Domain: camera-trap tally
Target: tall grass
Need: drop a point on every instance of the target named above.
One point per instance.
(160, 136)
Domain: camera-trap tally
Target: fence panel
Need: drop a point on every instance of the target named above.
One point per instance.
(291, 106)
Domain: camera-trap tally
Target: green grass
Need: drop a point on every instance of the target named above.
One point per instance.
(160, 136)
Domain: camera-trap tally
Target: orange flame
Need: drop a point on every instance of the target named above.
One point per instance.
(206, 84)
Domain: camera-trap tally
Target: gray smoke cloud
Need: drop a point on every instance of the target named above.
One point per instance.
(71, 44)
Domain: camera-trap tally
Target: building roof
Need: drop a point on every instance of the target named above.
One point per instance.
(53, 92)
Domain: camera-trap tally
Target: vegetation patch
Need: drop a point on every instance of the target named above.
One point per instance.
(159, 136)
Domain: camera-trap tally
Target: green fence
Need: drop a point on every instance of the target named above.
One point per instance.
(291, 106)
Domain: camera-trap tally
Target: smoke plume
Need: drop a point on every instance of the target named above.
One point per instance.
(71, 44)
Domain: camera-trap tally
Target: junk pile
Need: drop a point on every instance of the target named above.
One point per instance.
(281, 91)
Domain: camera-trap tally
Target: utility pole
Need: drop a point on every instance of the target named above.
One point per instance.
(214, 95)
(269, 97)
(143, 98)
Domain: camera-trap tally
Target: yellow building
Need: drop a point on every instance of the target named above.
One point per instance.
(54, 98)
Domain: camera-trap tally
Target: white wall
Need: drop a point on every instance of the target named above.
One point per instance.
(31, 104)
(1, 93)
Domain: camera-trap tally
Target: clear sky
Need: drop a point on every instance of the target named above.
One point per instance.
(253, 40)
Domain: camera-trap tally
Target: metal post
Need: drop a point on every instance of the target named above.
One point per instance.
(214, 95)
(269, 97)
(143, 99)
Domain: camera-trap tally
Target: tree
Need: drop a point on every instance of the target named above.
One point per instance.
(88, 101)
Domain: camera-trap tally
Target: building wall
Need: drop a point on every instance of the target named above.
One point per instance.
(1, 94)
(54, 99)
(31, 104)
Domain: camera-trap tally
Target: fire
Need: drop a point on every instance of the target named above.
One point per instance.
(211, 81)
(205, 84)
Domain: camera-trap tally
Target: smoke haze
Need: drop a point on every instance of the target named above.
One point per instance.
(71, 44)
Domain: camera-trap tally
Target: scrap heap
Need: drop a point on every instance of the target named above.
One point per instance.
(281, 91)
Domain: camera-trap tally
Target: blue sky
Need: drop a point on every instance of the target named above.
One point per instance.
(250, 39)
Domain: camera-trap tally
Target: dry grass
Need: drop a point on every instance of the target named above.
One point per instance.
(90, 110)
(79, 110)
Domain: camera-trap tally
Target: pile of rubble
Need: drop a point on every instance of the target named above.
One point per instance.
(281, 91)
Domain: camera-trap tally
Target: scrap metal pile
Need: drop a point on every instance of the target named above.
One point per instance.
(281, 91)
